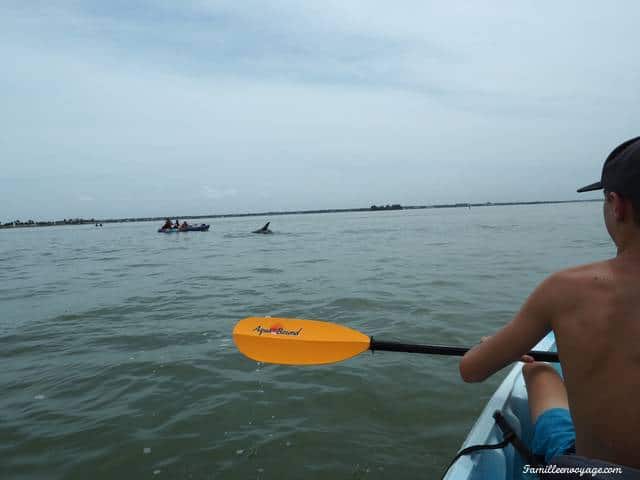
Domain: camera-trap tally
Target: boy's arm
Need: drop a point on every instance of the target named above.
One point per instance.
(515, 339)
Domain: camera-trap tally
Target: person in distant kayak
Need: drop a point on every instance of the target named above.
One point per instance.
(594, 311)
(177, 224)
(184, 225)
(167, 224)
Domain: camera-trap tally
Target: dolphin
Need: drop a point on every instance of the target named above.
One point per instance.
(264, 229)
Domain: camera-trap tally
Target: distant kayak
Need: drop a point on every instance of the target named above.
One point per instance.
(191, 228)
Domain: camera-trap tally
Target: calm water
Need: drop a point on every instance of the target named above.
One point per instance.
(117, 359)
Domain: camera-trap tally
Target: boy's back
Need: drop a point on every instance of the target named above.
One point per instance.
(597, 328)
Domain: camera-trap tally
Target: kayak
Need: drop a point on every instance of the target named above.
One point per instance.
(191, 228)
(511, 399)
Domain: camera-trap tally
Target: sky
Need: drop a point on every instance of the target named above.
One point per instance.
(132, 108)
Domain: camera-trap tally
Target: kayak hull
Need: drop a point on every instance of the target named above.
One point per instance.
(511, 399)
(191, 228)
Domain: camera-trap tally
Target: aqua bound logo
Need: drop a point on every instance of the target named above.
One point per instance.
(277, 330)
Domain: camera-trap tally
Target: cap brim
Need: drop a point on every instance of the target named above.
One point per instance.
(593, 186)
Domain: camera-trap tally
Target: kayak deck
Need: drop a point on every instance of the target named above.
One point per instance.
(511, 399)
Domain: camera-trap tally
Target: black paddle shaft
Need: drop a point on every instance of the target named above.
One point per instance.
(446, 350)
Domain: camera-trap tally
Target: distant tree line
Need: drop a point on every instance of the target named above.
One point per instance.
(31, 223)
(395, 206)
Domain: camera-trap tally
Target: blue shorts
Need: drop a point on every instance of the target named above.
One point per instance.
(553, 434)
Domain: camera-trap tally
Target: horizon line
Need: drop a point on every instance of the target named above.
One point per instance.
(381, 208)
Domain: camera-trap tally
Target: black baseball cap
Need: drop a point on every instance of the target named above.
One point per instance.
(621, 171)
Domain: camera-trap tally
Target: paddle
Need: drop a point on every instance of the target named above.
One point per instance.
(291, 341)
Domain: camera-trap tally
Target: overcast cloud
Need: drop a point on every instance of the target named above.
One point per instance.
(151, 108)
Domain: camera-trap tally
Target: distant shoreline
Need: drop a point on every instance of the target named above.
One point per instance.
(373, 208)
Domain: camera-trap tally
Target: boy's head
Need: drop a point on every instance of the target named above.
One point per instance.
(621, 171)
(620, 181)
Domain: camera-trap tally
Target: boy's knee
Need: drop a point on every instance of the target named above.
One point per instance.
(536, 368)
(545, 388)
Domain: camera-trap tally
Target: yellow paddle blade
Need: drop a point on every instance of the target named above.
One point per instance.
(291, 341)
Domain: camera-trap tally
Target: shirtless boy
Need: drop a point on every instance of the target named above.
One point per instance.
(594, 311)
